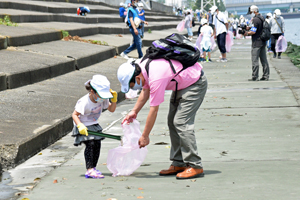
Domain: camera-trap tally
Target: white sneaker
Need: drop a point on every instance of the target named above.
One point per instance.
(223, 60)
(124, 55)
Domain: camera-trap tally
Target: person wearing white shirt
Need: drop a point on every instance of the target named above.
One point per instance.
(221, 27)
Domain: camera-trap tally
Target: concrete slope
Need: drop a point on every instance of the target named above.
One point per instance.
(30, 64)
(34, 116)
(20, 16)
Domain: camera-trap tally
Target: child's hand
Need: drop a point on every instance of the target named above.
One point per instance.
(115, 96)
(82, 129)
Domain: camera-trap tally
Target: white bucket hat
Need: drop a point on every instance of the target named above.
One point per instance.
(213, 9)
(204, 21)
(125, 73)
(102, 85)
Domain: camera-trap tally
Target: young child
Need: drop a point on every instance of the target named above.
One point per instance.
(87, 111)
(206, 32)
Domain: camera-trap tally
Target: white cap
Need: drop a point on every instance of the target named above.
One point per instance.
(140, 4)
(203, 21)
(269, 14)
(213, 9)
(252, 9)
(102, 85)
(277, 12)
(125, 73)
(121, 4)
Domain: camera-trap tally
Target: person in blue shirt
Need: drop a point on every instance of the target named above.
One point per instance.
(141, 16)
(121, 11)
(134, 23)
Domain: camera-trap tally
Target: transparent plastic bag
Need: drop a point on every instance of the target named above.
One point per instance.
(229, 41)
(198, 44)
(180, 26)
(124, 160)
(281, 44)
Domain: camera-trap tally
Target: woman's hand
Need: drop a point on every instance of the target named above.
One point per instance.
(144, 141)
(130, 117)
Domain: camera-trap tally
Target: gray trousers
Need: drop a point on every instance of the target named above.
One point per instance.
(261, 53)
(181, 120)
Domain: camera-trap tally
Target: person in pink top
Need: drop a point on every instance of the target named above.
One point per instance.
(184, 103)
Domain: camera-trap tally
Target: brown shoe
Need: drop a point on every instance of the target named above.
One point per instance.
(173, 170)
(190, 173)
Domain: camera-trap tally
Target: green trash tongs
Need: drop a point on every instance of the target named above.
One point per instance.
(115, 137)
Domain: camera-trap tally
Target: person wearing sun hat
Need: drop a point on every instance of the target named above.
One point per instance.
(87, 111)
(184, 103)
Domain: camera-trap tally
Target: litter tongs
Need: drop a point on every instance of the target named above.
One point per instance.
(115, 137)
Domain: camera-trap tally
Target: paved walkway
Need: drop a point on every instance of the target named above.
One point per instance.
(247, 134)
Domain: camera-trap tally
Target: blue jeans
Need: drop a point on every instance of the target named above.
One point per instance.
(190, 31)
(137, 43)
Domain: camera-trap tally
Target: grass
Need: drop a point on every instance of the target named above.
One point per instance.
(65, 33)
(293, 52)
(7, 22)
(149, 30)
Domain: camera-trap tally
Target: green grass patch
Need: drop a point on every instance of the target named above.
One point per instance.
(293, 52)
(149, 30)
(7, 22)
(65, 33)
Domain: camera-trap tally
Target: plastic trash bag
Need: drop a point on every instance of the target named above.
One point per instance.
(198, 44)
(229, 41)
(281, 44)
(124, 160)
(180, 26)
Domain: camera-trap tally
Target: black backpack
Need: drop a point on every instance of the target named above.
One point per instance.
(175, 47)
(266, 31)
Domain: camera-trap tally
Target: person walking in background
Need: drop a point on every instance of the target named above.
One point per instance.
(209, 18)
(206, 32)
(122, 11)
(188, 24)
(87, 111)
(221, 27)
(141, 16)
(134, 24)
(268, 19)
(198, 15)
(258, 50)
(277, 29)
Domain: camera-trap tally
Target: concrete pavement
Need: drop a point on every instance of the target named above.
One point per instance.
(247, 135)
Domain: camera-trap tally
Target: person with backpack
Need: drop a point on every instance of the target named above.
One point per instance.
(141, 16)
(134, 23)
(221, 28)
(277, 29)
(189, 24)
(122, 11)
(157, 72)
(258, 51)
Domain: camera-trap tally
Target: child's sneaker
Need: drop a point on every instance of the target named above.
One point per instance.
(93, 174)
(98, 171)
(209, 60)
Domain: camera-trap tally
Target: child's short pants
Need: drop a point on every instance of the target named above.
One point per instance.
(206, 50)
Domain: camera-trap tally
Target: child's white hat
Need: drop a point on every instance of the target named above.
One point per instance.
(102, 85)
(204, 21)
